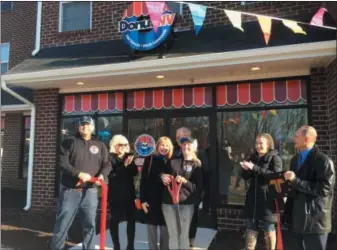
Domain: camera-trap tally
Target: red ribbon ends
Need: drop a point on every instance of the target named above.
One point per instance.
(174, 189)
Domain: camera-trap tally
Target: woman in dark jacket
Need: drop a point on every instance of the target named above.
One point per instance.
(151, 189)
(121, 192)
(187, 171)
(259, 206)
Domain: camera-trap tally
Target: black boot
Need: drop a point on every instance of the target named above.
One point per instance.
(115, 234)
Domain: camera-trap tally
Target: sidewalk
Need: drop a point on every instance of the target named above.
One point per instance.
(28, 230)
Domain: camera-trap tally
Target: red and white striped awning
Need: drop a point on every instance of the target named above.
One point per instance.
(100, 102)
(272, 92)
(198, 97)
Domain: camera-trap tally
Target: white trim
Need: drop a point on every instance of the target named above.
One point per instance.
(269, 54)
(16, 107)
(61, 15)
(38, 28)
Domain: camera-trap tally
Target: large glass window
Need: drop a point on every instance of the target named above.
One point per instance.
(75, 16)
(68, 127)
(4, 57)
(108, 127)
(236, 141)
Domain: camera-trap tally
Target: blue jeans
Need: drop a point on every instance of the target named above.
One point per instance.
(178, 219)
(267, 226)
(72, 201)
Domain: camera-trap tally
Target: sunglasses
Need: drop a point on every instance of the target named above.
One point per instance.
(123, 145)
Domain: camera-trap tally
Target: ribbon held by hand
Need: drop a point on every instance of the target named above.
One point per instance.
(174, 189)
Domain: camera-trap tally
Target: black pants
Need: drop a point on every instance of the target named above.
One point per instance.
(206, 203)
(130, 215)
(311, 241)
(194, 224)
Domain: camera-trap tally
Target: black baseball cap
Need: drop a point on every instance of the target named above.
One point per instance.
(85, 119)
(186, 139)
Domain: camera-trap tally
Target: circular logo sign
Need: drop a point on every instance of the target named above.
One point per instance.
(144, 145)
(94, 149)
(137, 30)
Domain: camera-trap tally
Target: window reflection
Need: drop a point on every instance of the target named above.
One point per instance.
(109, 126)
(236, 140)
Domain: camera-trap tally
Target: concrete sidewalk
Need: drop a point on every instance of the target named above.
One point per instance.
(33, 230)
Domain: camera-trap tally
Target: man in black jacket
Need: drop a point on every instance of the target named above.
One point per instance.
(312, 181)
(81, 158)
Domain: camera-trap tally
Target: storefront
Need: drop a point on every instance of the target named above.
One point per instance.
(225, 86)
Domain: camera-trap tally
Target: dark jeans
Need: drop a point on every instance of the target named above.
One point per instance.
(71, 201)
(130, 229)
(178, 220)
(267, 226)
(311, 241)
(194, 224)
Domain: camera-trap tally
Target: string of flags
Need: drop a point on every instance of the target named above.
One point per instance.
(198, 13)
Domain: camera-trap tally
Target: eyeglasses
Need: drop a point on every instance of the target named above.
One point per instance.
(123, 145)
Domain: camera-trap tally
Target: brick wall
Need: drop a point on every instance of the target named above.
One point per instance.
(106, 15)
(11, 161)
(18, 28)
(46, 101)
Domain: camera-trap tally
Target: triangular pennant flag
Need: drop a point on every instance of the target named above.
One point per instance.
(198, 15)
(317, 19)
(155, 10)
(235, 18)
(294, 27)
(265, 23)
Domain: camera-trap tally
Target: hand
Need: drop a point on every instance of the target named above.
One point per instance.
(181, 179)
(289, 176)
(247, 165)
(166, 179)
(84, 177)
(128, 160)
(145, 205)
(98, 183)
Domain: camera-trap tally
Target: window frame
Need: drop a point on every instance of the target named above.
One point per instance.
(61, 16)
(9, 10)
(9, 49)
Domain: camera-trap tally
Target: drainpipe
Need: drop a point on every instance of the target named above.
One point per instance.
(38, 28)
(31, 142)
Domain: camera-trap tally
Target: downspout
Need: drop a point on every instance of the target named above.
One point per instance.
(38, 28)
(31, 142)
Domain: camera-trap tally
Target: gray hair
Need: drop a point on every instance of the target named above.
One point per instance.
(118, 139)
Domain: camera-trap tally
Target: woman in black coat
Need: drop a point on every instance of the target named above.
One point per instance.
(121, 192)
(259, 206)
(151, 189)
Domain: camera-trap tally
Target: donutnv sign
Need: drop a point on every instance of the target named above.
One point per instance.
(137, 30)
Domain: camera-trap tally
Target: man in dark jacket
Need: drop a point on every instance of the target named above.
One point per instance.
(312, 181)
(81, 158)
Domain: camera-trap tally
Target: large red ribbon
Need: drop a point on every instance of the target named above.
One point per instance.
(279, 241)
(174, 189)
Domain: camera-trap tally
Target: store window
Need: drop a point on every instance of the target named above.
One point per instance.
(4, 57)
(68, 127)
(75, 16)
(108, 126)
(236, 140)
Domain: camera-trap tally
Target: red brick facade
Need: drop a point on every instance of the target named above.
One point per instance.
(46, 101)
(12, 152)
(18, 28)
(106, 15)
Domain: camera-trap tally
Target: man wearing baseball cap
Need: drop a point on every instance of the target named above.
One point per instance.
(81, 158)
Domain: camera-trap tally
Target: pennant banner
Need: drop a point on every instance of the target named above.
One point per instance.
(317, 19)
(155, 10)
(265, 23)
(235, 18)
(294, 27)
(198, 15)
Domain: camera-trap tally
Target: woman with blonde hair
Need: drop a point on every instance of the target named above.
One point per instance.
(151, 189)
(259, 206)
(186, 171)
(121, 192)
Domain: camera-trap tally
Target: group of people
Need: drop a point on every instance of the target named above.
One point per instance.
(83, 157)
(311, 179)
